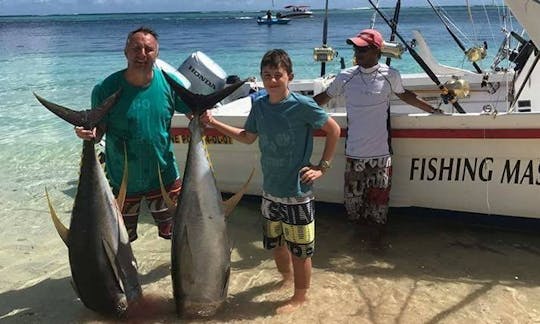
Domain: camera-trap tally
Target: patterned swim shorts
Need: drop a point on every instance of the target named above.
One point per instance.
(289, 220)
(367, 189)
(160, 212)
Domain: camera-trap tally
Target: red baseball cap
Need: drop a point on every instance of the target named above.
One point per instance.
(367, 37)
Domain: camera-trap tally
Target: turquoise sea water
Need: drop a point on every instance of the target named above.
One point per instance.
(62, 57)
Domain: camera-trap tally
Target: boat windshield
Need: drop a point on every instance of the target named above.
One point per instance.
(297, 8)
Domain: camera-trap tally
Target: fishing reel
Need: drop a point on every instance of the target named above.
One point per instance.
(324, 54)
(455, 89)
(392, 49)
(476, 53)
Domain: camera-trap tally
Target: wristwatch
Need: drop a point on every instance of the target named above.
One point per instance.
(324, 165)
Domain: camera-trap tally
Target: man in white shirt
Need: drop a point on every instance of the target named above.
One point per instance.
(368, 87)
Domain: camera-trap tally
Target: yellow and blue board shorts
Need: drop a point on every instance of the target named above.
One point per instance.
(290, 220)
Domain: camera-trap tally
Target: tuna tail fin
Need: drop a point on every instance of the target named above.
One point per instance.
(231, 203)
(110, 251)
(60, 228)
(168, 201)
(85, 118)
(123, 186)
(199, 103)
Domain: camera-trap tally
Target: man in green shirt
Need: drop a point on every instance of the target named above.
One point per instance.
(139, 126)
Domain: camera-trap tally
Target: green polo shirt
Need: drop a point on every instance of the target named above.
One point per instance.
(139, 124)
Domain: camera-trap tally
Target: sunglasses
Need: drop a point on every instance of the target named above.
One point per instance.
(363, 49)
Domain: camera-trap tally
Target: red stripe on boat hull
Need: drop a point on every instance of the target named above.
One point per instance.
(525, 133)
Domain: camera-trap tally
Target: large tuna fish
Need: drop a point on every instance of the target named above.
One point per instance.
(103, 267)
(201, 251)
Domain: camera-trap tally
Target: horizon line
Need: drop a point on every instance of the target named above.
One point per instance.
(217, 11)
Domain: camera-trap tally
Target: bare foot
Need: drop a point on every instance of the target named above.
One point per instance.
(290, 306)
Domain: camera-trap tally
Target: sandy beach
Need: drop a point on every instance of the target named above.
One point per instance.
(434, 271)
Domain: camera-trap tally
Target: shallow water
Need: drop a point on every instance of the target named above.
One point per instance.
(434, 270)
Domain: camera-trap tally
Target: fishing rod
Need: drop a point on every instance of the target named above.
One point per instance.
(325, 37)
(324, 53)
(394, 27)
(454, 36)
(446, 95)
(484, 83)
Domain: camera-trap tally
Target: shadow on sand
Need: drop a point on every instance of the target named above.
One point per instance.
(419, 248)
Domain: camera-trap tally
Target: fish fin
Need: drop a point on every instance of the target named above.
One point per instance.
(122, 231)
(60, 228)
(123, 187)
(111, 256)
(125, 263)
(231, 203)
(207, 153)
(86, 118)
(225, 287)
(198, 103)
(166, 198)
(125, 272)
(187, 265)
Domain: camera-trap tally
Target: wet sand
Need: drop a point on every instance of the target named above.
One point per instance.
(433, 271)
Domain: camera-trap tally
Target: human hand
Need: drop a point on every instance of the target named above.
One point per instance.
(85, 134)
(206, 118)
(310, 173)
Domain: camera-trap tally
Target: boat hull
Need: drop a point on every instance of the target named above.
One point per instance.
(273, 21)
(470, 163)
(295, 15)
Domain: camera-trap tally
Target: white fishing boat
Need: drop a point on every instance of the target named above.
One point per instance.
(486, 160)
(297, 11)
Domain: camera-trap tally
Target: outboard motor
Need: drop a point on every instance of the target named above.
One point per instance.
(205, 75)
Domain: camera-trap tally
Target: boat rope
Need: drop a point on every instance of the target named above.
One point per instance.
(488, 21)
(372, 22)
(469, 11)
(451, 23)
(454, 36)
(507, 16)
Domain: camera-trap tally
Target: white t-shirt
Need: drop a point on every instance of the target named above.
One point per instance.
(367, 99)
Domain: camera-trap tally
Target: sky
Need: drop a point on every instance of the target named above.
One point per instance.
(47, 7)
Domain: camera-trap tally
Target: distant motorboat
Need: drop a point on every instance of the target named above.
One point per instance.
(294, 11)
(272, 21)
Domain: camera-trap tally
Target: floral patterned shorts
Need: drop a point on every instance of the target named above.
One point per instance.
(367, 189)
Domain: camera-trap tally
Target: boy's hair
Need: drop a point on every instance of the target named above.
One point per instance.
(276, 58)
(144, 30)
